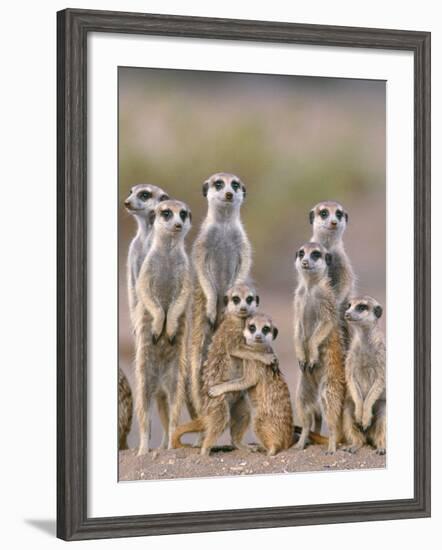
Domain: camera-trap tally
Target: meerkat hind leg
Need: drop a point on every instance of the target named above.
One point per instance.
(354, 437)
(239, 422)
(163, 413)
(217, 424)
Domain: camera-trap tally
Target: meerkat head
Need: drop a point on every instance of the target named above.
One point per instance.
(329, 220)
(172, 218)
(363, 310)
(312, 258)
(224, 189)
(260, 329)
(143, 199)
(241, 300)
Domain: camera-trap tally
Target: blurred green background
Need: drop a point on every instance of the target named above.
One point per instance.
(294, 141)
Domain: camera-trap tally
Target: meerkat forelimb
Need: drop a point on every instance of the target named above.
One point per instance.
(217, 414)
(318, 346)
(329, 220)
(267, 390)
(365, 402)
(125, 410)
(163, 290)
(221, 258)
(142, 200)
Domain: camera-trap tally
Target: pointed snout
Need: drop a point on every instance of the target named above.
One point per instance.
(229, 196)
(178, 226)
(258, 338)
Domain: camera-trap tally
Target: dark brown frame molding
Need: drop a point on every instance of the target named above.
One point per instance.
(73, 27)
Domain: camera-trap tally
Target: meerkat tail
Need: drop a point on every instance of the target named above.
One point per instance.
(314, 437)
(196, 425)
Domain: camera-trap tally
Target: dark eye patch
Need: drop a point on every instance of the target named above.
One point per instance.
(144, 195)
(219, 184)
(249, 299)
(166, 213)
(301, 253)
(236, 300)
(316, 254)
(163, 198)
(235, 185)
(323, 213)
(348, 305)
(266, 329)
(339, 214)
(361, 307)
(183, 215)
(252, 328)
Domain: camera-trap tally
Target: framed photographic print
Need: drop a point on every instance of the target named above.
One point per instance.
(243, 274)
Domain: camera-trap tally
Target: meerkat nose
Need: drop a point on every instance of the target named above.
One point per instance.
(229, 195)
(243, 309)
(127, 202)
(258, 338)
(334, 223)
(178, 226)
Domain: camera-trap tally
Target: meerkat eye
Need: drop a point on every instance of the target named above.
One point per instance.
(301, 253)
(361, 307)
(235, 185)
(144, 195)
(236, 300)
(163, 198)
(266, 330)
(249, 299)
(323, 213)
(316, 254)
(339, 214)
(252, 328)
(348, 306)
(219, 184)
(183, 215)
(166, 214)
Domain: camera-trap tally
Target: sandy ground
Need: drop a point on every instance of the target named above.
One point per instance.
(188, 463)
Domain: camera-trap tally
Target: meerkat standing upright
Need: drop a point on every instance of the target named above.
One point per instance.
(221, 258)
(365, 402)
(163, 290)
(140, 203)
(318, 345)
(329, 220)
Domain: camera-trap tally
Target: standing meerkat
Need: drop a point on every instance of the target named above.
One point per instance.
(318, 346)
(329, 220)
(140, 203)
(216, 414)
(365, 402)
(125, 410)
(267, 390)
(163, 289)
(221, 258)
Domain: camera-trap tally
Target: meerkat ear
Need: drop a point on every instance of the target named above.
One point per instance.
(226, 300)
(205, 188)
(190, 216)
(328, 258)
(346, 217)
(311, 216)
(257, 300)
(377, 311)
(275, 333)
(243, 191)
(164, 198)
(151, 216)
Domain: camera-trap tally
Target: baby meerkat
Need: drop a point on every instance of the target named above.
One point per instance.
(365, 401)
(125, 410)
(140, 203)
(329, 220)
(163, 289)
(318, 346)
(267, 390)
(216, 414)
(221, 258)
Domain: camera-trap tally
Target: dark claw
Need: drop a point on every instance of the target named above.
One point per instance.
(155, 339)
(380, 451)
(172, 339)
(211, 325)
(312, 367)
(302, 365)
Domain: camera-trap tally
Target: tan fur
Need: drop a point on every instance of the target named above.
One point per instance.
(125, 410)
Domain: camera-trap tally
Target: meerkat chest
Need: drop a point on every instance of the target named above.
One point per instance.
(309, 311)
(224, 244)
(166, 275)
(363, 368)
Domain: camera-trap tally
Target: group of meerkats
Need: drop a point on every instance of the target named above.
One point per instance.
(200, 340)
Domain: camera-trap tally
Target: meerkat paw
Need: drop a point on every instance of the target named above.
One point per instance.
(302, 364)
(300, 446)
(171, 339)
(214, 391)
(352, 449)
(366, 421)
(143, 451)
(381, 451)
(312, 366)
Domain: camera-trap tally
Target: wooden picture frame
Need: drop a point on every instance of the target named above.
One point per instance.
(73, 27)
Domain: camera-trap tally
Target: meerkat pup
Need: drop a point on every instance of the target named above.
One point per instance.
(365, 401)
(329, 220)
(163, 289)
(140, 203)
(221, 258)
(216, 414)
(318, 346)
(267, 391)
(125, 410)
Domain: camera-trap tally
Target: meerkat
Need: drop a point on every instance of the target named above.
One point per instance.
(216, 414)
(318, 346)
(141, 201)
(125, 410)
(364, 415)
(267, 391)
(221, 258)
(329, 220)
(163, 289)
